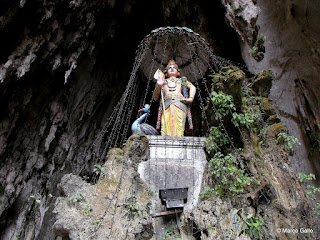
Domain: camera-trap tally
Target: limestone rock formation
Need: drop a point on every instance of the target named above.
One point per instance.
(242, 15)
(117, 207)
(291, 43)
(63, 65)
(277, 196)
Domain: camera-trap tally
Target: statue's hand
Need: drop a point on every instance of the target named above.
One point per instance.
(160, 81)
(159, 75)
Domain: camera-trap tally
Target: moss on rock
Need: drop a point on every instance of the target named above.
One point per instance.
(229, 76)
(229, 80)
(266, 107)
(136, 149)
(273, 119)
(274, 129)
(115, 154)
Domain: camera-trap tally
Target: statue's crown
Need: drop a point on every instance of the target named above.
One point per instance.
(172, 62)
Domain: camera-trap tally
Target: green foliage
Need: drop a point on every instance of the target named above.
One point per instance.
(75, 199)
(216, 139)
(250, 116)
(206, 193)
(171, 234)
(262, 132)
(311, 191)
(246, 119)
(150, 191)
(250, 225)
(85, 178)
(231, 177)
(223, 104)
(134, 209)
(98, 169)
(226, 169)
(261, 37)
(96, 222)
(87, 211)
(304, 178)
(288, 141)
(258, 45)
(253, 50)
(37, 199)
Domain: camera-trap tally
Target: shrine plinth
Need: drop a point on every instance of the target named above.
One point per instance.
(174, 162)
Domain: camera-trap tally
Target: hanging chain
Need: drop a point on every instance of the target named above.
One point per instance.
(150, 76)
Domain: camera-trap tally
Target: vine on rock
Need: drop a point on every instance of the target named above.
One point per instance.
(226, 165)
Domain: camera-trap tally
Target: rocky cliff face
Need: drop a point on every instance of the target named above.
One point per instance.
(63, 65)
(117, 207)
(283, 36)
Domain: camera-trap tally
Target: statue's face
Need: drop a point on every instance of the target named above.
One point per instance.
(172, 71)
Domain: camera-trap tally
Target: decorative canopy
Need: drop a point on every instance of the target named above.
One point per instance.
(190, 51)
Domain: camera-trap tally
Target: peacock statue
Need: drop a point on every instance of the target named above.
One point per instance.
(139, 127)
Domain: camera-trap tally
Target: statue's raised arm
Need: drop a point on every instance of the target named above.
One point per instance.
(159, 76)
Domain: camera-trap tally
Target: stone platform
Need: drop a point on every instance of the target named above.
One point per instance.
(174, 162)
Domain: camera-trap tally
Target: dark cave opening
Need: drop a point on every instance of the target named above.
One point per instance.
(116, 37)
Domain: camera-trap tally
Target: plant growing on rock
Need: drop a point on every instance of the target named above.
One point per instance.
(37, 199)
(72, 200)
(97, 222)
(249, 117)
(251, 225)
(150, 191)
(223, 103)
(289, 142)
(171, 234)
(231, 178)
(258, 49)
(87, 211)
(216, 139)
(98, 169)
(206, 193)
(311, 191)
(134, 209)
(228, 170)
(85, 178)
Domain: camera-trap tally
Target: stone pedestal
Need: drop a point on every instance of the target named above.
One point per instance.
(175, 162)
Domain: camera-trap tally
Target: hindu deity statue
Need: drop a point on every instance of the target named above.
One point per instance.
(176, 95)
